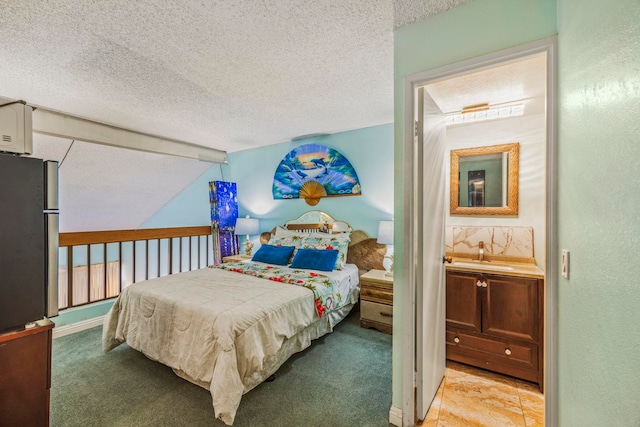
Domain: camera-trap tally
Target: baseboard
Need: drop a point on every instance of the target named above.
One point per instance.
(77, 327)
(395, 416)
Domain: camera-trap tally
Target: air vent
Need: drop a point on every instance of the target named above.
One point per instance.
(15, 128)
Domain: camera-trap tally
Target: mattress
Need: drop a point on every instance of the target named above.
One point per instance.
(222, 330)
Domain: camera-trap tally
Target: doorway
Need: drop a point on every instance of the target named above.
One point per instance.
(546, 244)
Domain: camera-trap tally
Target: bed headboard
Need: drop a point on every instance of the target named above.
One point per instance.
(363, 251)
(314, 221)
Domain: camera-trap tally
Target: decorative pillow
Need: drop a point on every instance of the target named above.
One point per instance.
(269, 254)
(315, 259)
(293, 240)
(339, 242)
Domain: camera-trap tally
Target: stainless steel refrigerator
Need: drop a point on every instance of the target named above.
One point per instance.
(28, 240)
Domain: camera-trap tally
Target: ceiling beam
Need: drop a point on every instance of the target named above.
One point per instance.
(63, 125)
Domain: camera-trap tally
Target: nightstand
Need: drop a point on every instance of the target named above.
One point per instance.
(236, 258)
(376, 301)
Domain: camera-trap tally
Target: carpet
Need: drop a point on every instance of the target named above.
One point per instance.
(343, 379)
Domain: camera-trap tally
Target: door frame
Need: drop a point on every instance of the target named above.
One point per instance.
(549, 47)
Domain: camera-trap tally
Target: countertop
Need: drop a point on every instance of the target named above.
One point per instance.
(504, 268)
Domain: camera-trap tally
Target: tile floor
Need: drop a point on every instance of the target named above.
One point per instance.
(474, 397)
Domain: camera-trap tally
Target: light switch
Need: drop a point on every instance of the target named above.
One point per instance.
(565, 263)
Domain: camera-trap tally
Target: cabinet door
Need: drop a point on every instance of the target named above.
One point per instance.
(511, 308)
(25, 365)
(464, 306)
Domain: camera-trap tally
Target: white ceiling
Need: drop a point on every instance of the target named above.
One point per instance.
(522, 81)
(230, 75)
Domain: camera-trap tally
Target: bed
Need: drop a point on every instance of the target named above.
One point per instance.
(229, 328)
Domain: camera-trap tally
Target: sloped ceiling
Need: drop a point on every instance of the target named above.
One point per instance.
(97, 191)
(230, 75)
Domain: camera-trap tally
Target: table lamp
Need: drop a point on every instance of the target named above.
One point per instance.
(385, 237)
(247, 226)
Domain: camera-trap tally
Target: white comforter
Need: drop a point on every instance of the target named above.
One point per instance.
(225, 331)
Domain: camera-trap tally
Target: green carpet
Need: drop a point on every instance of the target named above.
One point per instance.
(343, 379)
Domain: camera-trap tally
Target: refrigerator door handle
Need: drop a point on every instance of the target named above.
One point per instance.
(52, 263)
(51, 185)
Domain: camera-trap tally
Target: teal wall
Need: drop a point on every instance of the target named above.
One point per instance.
(473, 29)
(191, 206)
(80, 314)
(370, 151)
(599, 154)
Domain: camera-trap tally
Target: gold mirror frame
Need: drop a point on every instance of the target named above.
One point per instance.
(513, 150)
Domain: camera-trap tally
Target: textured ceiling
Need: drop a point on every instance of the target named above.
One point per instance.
(519, 81)
(409, 11)
(230, 75)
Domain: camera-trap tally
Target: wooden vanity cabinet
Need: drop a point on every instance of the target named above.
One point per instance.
(495, 322)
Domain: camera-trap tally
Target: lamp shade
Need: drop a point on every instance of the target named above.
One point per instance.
(248, 226)
(385, 233)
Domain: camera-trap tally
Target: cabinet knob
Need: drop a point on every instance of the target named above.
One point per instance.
(456, 340)
(484, 284)
(479, 284)
(507, 352)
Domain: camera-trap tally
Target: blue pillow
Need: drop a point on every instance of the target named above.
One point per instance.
(315, 259)
(270, 254)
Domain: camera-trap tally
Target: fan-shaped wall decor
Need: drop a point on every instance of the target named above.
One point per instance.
(313, 171)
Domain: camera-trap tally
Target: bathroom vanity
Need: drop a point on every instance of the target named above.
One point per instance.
(495, 317)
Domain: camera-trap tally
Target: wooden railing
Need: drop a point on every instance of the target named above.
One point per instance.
(105, 262)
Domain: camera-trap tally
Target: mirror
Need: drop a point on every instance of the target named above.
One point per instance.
(484, 180)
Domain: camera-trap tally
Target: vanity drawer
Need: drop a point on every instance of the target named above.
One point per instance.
(503, 356)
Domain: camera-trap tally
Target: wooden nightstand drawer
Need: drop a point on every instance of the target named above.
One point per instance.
(381, 313)
(376, 301)
(376, 293)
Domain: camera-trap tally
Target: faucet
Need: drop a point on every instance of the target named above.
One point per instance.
(481, 251)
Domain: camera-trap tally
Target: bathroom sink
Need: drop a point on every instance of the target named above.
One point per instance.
(483, 265)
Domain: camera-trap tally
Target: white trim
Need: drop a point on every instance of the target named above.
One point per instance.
(549, 47)
(551, 271)
(408, 264)
(395, 416)
(54, 123)
(77, 327)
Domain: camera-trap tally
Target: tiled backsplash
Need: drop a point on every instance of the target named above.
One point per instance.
(499, 242)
